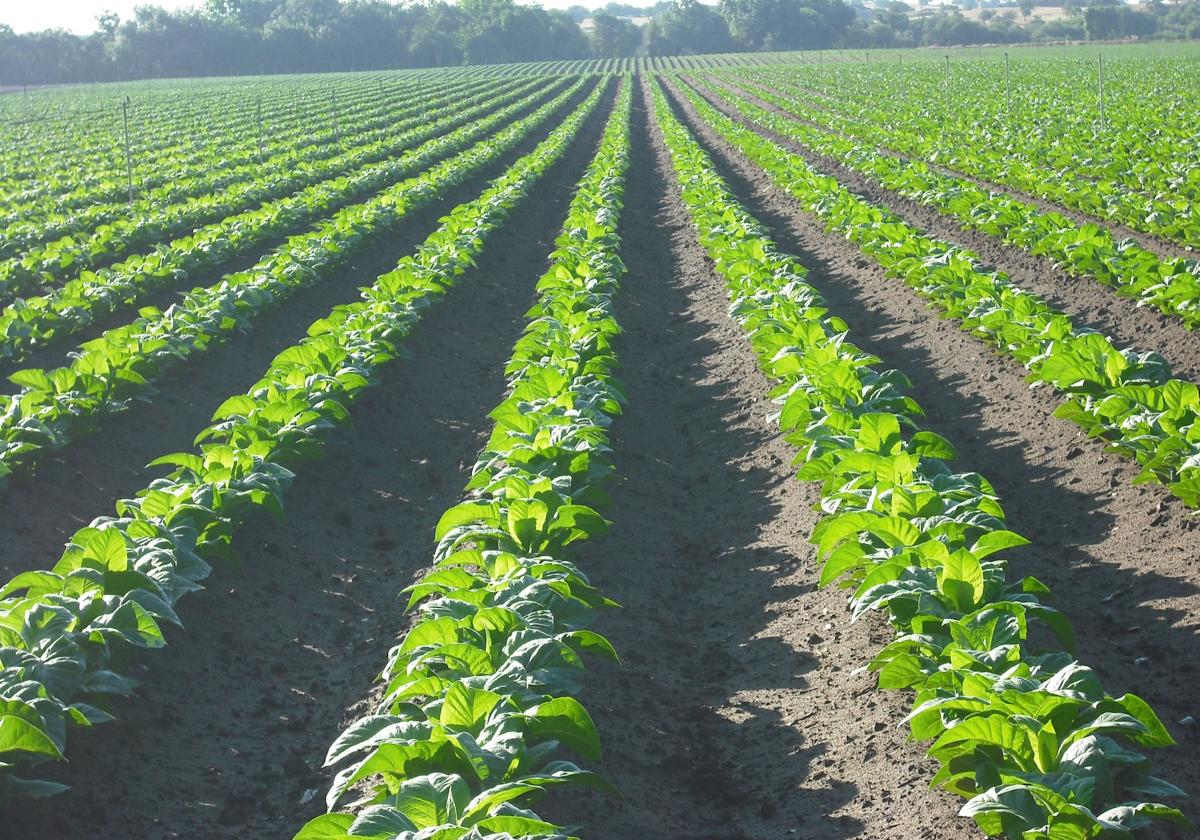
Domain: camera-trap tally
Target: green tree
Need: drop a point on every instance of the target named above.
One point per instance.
(107, 23)
(614, 37)
(688, 27)
(1102, 21)
(749, 20)
(787, 24)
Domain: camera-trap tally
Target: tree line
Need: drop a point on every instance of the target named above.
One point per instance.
(895, 25)
(238, 37)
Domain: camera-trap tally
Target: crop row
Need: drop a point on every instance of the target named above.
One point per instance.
(1142, 146)
(281, 153)
(189, 141)
(53, 407)
(479, 692)
(1128, 398)
(1027, 736)
(34, 321)
(55, 261)
(1172, 216)
(178, 141)
(63, 631)
(1170, 285)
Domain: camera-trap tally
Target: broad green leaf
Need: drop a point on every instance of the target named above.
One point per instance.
(931, 445)
(464, 514)
(18, 734)
(987, 729)
(994, 541)
(564, 719)
(34, 378)
(327, 827)
(468, 707)
(961, 580)
(105, 546)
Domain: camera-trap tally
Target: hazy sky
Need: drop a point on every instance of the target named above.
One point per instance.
(79, 16)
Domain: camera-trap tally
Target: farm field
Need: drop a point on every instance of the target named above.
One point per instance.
(744, 447)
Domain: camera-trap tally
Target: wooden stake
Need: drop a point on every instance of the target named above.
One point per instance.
(336, 121)
(1007, 89)
(128, 155)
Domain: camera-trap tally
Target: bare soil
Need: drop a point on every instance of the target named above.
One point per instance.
(1161, 246)
(1123, 560)
(1089, 303)
(738, 712)
(227, 735)
(86, 477)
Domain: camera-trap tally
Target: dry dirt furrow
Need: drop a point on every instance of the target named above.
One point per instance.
(1158, 245)
(86, 478)
(1089, 303)
(227, 735)
(1123, 560)
(737, 713)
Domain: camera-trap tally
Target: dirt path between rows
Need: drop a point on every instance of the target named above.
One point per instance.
(1088, 302)
(736, 714)
(1123, 560)
(94, 471)
(54, 353)
(1159, 245)
(227, 735)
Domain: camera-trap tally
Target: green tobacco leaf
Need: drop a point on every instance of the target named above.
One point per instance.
(464, 514)
(1156, 734)
(369, 731)
(564, 719)
(381, 821)
(987, 729)
(327, 827)
(1138, 816)
(18, 734)
(432, 800)
(591, 642)
(994, 541)
(467, 707)
(34, 378)
(961, 580)
(997, 806)
(517, 826)
(398, 760)
(498, 795)
(187, 460)
(879, 433)
(136, 625)
(239, 404)
(931, 445)
(106, 547)
(34, 581)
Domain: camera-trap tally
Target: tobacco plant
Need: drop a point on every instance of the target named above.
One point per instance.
(64, 631)
(1127, 398)
(1082, 249)
(1027, 735)
(56, 406)
(479, 698)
